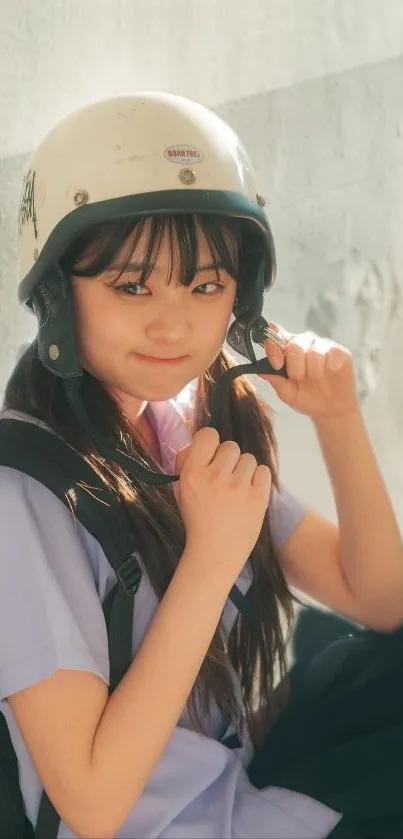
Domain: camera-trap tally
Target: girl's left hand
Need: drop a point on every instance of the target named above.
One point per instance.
(321, 381)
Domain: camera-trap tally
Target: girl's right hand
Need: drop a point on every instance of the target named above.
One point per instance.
(223, 496)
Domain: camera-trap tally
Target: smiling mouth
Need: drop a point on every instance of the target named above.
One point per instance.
(154, 360)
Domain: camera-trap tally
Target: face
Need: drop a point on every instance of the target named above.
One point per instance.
(147, 342)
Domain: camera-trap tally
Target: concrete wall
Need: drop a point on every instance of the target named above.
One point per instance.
(330, 159)
(314, 89)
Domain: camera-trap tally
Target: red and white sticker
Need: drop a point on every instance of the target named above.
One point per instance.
(184, 154)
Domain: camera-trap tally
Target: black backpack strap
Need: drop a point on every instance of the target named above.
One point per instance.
(48, 459)
(14, 823)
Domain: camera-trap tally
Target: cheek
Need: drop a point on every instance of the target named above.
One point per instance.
(81, 315)
(221, 323)
(95, 322)
(215, 328)
(86, 321)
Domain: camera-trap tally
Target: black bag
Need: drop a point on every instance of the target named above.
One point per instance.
(45, 457)
(340, 739)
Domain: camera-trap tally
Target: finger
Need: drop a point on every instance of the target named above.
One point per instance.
(181, 457)
(262, 479)
(226, 457)
(246, 467)
(202, 449)
(295, 354)
(282, 333)
(316, 361)
(274, 354)
(275, 347)
(338, 359)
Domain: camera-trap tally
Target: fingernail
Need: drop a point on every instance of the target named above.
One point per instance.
(336, 362)
(276, 360)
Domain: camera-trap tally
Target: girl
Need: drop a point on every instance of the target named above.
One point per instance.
(141, 233)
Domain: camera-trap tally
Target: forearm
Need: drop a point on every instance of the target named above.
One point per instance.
(142, 712)
(371, 553)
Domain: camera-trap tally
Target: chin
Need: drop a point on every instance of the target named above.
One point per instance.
(160, 392)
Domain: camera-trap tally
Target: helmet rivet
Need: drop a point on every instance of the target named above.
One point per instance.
(187, 176)
(36, 254)
(260, 200)
(81, 197)
(54, 352)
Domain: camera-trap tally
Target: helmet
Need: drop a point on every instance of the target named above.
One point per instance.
(126, 157)
(144, 154)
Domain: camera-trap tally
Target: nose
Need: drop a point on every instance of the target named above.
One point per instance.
(169, 325)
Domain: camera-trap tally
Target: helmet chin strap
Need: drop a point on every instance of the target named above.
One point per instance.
(245, 329)
(239, 337)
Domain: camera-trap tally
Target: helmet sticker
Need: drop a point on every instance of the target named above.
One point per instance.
(27, 209)
(183, 154)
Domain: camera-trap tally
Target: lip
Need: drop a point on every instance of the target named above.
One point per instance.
(149, 359)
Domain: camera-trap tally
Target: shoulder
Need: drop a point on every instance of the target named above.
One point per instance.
(19, 490)
(33, 516)
(50, 574)
(39, 530)
(9, 413)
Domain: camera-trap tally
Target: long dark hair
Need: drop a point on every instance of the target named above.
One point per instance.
(256, 650)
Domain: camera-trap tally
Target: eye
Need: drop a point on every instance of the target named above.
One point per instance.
(216, 286)
(132, 289)
(138, 290)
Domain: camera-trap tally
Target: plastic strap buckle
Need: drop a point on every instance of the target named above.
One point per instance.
(129, 574)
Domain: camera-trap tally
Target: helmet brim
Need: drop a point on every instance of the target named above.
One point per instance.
(160, 203)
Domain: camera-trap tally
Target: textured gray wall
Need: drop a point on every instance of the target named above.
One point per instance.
(314, 88)
(330, 157)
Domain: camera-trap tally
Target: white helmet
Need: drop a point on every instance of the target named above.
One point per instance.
(130, 156)
(144, 154)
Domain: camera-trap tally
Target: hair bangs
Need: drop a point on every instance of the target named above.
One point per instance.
(140, 241)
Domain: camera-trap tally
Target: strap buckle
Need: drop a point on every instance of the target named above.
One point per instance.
(129, 573)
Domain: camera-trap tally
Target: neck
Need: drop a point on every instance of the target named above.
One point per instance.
(131, 408)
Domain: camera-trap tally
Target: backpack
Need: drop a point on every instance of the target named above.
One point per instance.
(48, 459)
(51, 461)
